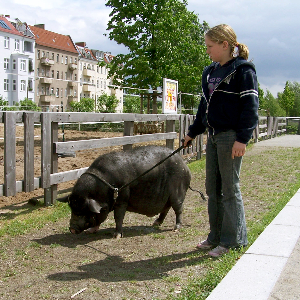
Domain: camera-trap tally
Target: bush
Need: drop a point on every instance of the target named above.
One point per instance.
(27, 104)
(84, 105)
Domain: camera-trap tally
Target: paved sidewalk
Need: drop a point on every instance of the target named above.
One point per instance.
(270, 268)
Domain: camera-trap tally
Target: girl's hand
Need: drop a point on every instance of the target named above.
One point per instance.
(187, 141)
(238, 149)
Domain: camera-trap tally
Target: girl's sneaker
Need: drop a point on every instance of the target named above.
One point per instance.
(218, 251)
(205, 245)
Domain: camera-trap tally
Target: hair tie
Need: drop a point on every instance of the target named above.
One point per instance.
(235, 52)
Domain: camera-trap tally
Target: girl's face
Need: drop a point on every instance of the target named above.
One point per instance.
(218, 52)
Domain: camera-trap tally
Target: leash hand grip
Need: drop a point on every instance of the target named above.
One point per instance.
(189, 143)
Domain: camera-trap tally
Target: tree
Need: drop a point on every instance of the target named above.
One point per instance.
(295, 111)
(84, 105)
(164, 40)
(131, 104)
(272, 106)
(107, 104)
(287, 98)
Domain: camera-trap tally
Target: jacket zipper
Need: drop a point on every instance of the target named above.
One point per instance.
(207, 103)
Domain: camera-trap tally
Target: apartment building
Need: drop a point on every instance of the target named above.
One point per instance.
(17, 44)
(93, 78)
(56, 68)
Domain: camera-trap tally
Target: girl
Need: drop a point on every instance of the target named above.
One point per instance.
(229, 111)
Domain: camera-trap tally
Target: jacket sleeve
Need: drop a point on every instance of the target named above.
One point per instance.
(197, 127)
(248, 104)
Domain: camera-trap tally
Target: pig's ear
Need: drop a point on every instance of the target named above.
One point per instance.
(94, 206)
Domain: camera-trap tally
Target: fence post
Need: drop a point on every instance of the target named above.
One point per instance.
(10, 154)
(28, 151)
(170, 127)
(128, 131)
(46, 164)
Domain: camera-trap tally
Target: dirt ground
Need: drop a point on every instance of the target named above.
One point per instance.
(148, 263)
(50, 263)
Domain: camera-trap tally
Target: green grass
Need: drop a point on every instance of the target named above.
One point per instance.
(21, 222)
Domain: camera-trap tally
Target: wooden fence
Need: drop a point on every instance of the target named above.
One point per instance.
(51, 147)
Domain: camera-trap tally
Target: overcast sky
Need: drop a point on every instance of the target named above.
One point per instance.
(270, 28)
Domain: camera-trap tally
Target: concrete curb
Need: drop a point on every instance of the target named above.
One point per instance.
(255, 275)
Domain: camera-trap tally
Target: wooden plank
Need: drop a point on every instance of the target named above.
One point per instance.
(46, 156)
(71, 117)
(128, 131)
(66, 176)
(9, 153)
(170, 127)
(54, 160)
(28, 151)
(61, 147)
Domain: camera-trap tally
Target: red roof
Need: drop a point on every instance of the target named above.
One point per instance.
(53, 40)
(12, 29)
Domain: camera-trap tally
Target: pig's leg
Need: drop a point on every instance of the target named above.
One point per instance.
(162, 215)
(119, 214)
(178, 209)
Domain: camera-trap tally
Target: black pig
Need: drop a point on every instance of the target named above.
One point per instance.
(165, 186)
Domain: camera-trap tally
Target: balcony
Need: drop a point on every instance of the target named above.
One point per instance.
(46, 80)
(87, 72)
(72, 66)
(72, 83)
(47, 98)
(46, 61)
(72, 98)
(88, 87)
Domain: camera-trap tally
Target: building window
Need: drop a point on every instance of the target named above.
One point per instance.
(75, 77)
(57, 74)
(52, 91)
(43, 53)
(71, 59)
(52, 56)
(14, 85)
(61, 93)
(6, 42)
(52, 74)
(38, 54)
(66, 60)
(23, 85)
(57, 58)
(97, 84)
(62, 59)
(66, 92)
(14, 64)
(6, 63)
(17, 45)
(57, 92)
(6, 85)
(23, 65)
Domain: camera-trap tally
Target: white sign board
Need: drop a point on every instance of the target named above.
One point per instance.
(169, 100)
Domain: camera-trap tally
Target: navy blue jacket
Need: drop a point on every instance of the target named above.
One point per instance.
(233, 103)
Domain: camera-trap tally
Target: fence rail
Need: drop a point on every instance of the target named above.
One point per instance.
(51, 148)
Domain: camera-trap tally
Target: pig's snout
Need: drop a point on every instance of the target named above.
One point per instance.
(74, 231)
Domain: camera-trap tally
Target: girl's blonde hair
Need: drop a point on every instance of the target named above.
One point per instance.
(222, 33)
